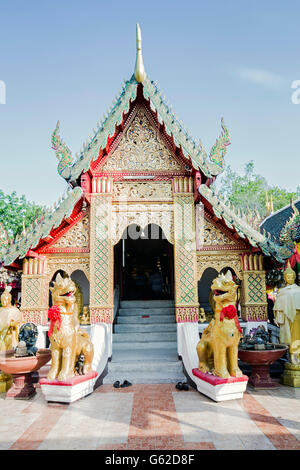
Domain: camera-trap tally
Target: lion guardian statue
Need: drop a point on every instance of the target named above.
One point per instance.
(68, 342)
(218, 347)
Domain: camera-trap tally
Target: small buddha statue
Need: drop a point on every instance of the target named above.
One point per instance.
(10, 321)
(21, 349)
(84, 318)
(287, 314)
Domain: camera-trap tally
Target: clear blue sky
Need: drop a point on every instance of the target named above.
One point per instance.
(66, 60)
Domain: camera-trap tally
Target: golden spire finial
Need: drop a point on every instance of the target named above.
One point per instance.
(139, 72)
(269, 204)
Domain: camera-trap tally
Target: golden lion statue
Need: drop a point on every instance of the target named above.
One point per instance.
(68, 342)
(218, 347)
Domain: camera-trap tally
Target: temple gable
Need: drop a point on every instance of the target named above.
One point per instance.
(142, 148)
(212, 237)
(75, 237)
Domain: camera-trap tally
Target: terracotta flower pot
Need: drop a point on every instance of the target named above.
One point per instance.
(260, 361)
(21, 369)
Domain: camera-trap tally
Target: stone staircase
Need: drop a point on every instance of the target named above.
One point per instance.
(145, 344)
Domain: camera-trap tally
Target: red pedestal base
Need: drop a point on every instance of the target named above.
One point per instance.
(260, 377)
(22, 387)
(260, 361)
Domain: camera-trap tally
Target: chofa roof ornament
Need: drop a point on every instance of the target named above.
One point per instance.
(289, 231)
(139, 71)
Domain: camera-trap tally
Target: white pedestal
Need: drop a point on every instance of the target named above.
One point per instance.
(219, 389)
(69, 390)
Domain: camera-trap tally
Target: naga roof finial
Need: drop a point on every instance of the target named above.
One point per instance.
(139, 71)
(289, 231)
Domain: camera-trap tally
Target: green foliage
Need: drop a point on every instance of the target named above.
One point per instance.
(15, 210)
(249, 190)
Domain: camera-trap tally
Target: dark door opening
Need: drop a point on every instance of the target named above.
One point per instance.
(143, 264)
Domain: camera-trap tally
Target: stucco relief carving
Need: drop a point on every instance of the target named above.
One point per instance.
(69, 265)
(142, 215)
(160, 191)
(213, 236)
(76, 236)
(141, 148)
(219, 261)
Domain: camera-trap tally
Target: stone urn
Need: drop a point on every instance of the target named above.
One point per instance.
(260, 361)
(21, 369)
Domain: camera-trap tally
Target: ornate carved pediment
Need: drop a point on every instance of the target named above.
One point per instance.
(143, 215)
(218, 261)
(212, 237)
(77, 236)
(141, 148)
(69, 264)
(150, 190)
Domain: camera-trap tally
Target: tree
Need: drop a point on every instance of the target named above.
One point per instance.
(250, 189)
(14, 211)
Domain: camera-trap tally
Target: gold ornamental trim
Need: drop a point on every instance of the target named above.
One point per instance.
(219, 260)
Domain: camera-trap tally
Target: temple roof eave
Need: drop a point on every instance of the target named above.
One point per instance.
(244, 229)
(31, 240)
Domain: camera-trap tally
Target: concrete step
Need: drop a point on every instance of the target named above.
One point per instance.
(160, 369)
(144, 337)
(142, 367)
(145, 321)
(145, 304)
(126, 345)
(141, 355)
(147, 311)
(153, 328)
(163, 377)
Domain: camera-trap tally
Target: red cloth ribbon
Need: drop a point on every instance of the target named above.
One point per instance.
(295, 258)
(54, 316)
(230, 312)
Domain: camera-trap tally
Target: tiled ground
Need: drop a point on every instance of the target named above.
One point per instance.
(153, 417)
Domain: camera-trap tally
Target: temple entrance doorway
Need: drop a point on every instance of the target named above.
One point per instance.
(144, 264)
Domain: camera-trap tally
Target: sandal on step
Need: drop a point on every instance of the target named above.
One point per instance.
(117, 384)
(179, 385)
(126, 384)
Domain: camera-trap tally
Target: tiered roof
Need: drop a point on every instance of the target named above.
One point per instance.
(211, 165)
(246, 227)
(30, 239)
(275, 222)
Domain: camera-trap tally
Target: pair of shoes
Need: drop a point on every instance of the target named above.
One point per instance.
(182, 386)
(124, 384)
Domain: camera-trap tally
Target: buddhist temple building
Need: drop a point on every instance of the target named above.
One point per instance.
(141, 201)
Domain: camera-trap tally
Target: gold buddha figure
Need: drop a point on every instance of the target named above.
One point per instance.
(10, 321)
(287, 314)
(84, 318)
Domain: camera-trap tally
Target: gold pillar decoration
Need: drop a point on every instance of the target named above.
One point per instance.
(35, 291)
(101, 254)
(254, 305)
(185, 264)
